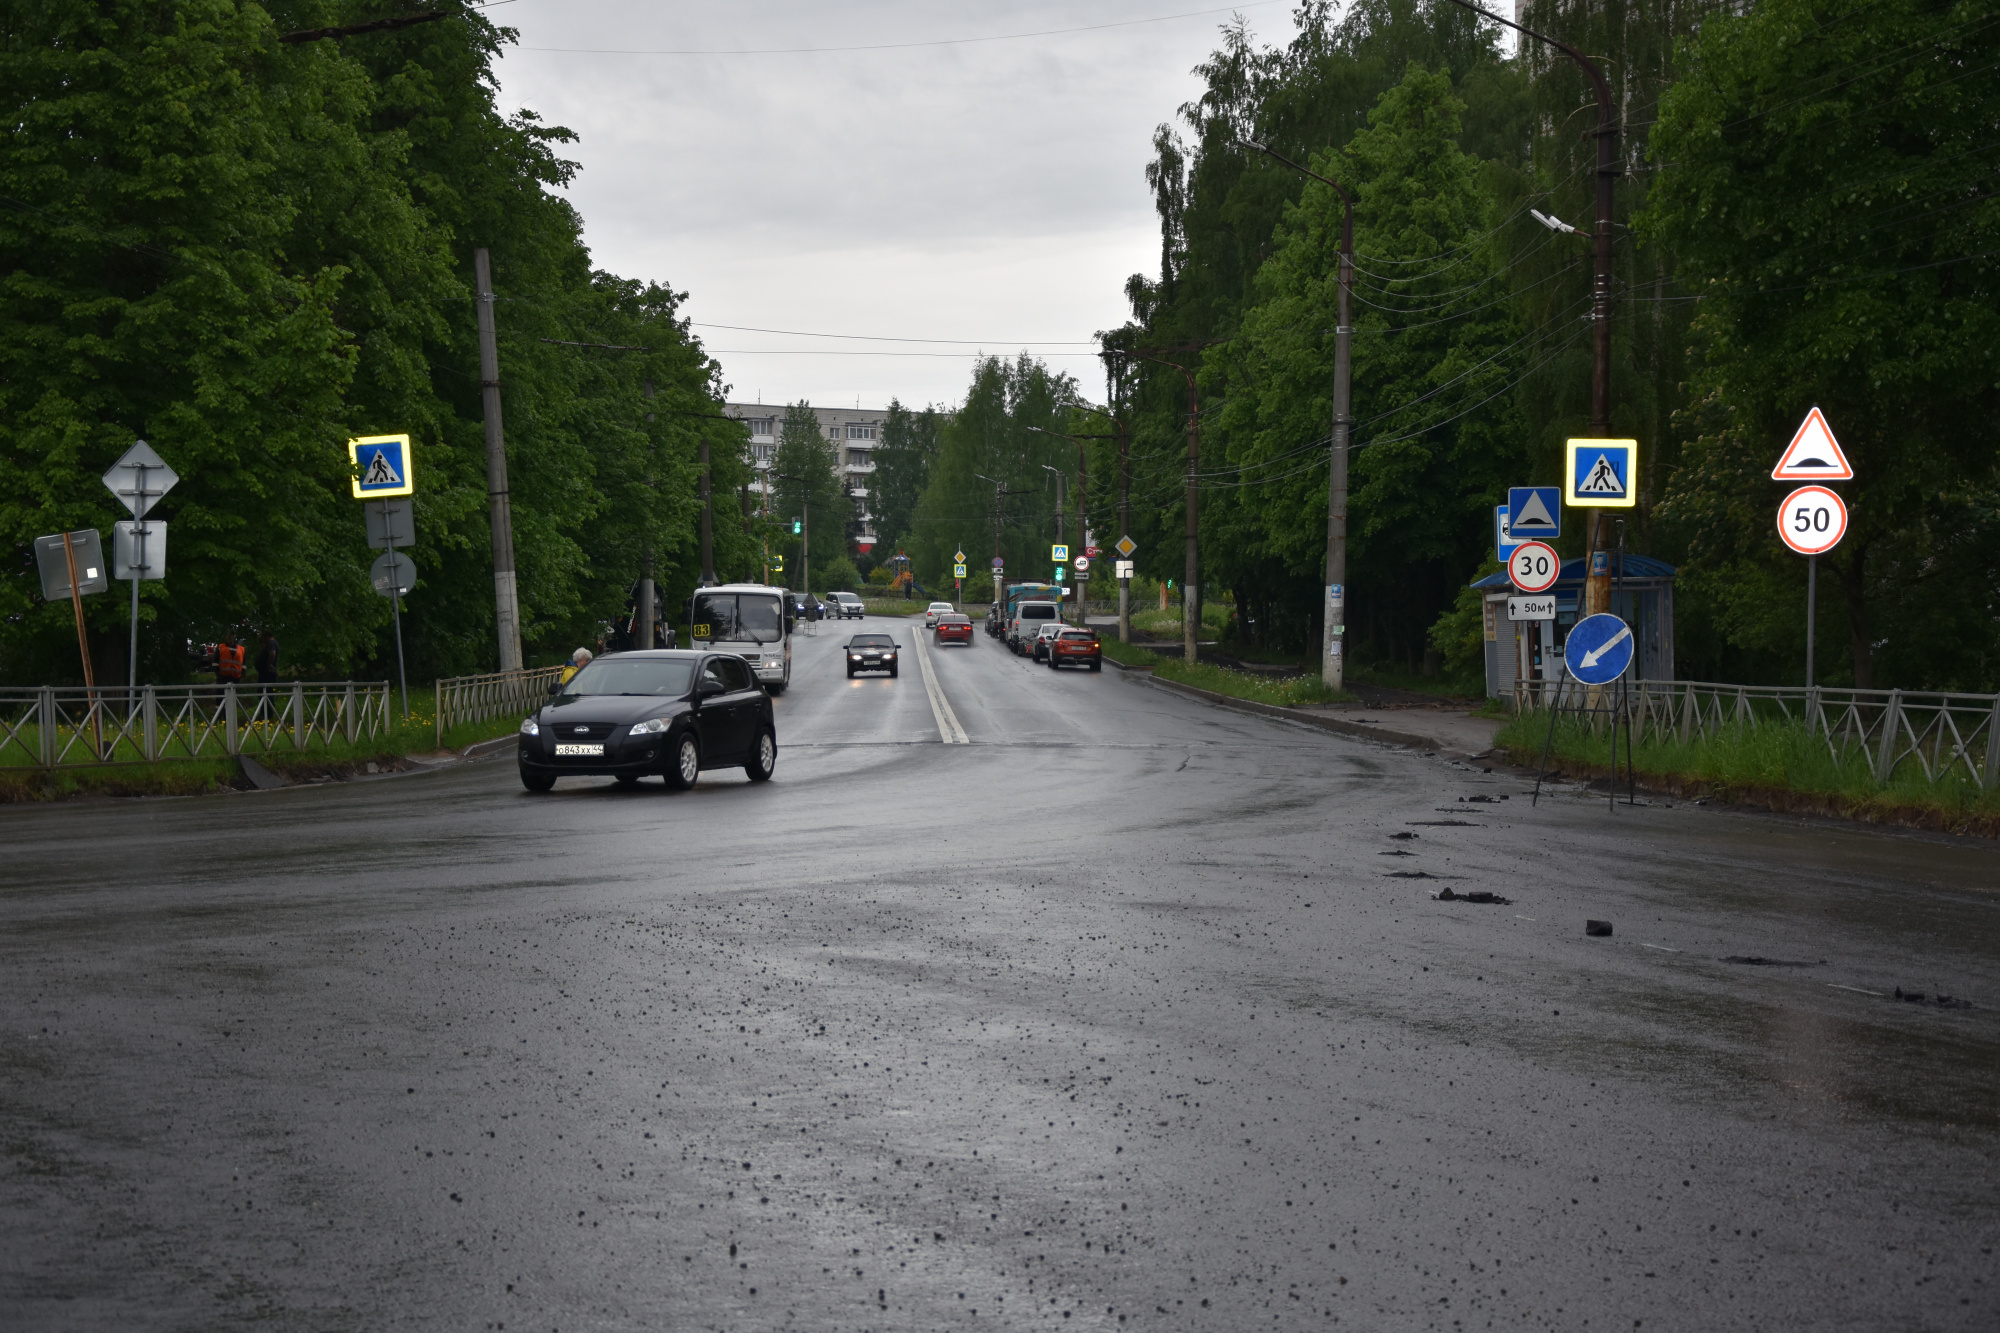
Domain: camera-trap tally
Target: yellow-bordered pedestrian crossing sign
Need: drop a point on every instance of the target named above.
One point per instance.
(382, 467)
(1601, 474)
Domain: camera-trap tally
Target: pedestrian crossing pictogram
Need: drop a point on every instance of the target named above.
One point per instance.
(1601, 473)
(382, 466)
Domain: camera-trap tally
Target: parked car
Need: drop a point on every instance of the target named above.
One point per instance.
(631, 715)
(1045, 633)
(845, 605)
(871, 652)
(1028, 619)
(954, 628)
(996, 621)
(1076, 647)
(934, 610)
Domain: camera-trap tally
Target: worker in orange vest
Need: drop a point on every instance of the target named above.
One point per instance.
(228, 660)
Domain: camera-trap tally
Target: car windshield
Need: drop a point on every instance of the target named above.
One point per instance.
(953, 620)
(665, 677)
(1087, 636)
(940, 606)
(1038, 611)
(871, 641)
(732, 617)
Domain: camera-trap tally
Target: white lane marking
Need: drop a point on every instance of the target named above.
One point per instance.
(1660, 947)
(1857, 990)
(947, 721)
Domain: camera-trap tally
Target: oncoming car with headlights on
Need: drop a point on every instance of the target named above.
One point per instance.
(871, 652)
(632, 715)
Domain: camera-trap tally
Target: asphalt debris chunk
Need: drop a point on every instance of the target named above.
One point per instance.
(1477, 896)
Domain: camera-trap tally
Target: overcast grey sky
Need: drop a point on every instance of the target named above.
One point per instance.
(991, 191)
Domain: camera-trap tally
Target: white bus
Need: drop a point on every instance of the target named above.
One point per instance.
(753, 620)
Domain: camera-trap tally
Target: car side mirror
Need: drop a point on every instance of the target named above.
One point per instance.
(708, 687)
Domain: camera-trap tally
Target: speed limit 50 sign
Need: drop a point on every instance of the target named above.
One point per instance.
(1534, 567)
(1812, 520)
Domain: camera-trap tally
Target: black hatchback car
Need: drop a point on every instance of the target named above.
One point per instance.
(871, 652)
(631, 715)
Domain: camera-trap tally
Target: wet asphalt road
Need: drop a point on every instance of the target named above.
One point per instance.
(1117, 1017)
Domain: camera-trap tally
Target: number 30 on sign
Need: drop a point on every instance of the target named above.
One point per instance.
(1812, 520)
(1534, 567)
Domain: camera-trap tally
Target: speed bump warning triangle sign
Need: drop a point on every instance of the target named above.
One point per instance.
(1813, 454)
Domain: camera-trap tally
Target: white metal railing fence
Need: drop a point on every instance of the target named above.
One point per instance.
(1944, 735)
(52, 726)
(462, 699)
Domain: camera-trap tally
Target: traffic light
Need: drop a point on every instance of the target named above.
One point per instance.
(797, 527)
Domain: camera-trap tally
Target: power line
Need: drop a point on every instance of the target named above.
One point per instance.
(903, 46)
(884, 338)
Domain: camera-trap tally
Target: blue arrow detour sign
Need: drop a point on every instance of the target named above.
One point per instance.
(1598, 649)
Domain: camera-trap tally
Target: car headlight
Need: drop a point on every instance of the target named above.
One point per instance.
(529, 727)
(854, 657)
(652, 726)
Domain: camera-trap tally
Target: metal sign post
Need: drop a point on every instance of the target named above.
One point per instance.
(139, 478)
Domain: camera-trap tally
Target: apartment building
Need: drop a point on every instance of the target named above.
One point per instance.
(854, 433)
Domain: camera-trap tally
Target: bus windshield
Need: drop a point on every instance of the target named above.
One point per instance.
(738, 617)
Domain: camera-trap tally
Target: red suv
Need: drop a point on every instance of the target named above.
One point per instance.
(954, 628)
(1076, 647)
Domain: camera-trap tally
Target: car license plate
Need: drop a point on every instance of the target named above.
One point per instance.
(562, 750)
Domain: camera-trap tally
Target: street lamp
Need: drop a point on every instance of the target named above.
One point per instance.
(1597, 587)
(1331, 659)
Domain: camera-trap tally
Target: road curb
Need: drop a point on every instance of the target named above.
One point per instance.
(1354, 729)
(478, 748)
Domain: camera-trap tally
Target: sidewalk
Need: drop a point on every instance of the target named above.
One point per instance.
(1443, 727)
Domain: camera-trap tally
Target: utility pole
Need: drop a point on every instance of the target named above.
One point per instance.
(1597, 566)
(1332, 658)
(642, 619)
(1059, 517)
(1191, 580)
(805, 529)
(1000, 491)
(506, 598)
(707, 519)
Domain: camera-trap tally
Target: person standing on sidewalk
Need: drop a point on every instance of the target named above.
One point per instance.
(267, 660)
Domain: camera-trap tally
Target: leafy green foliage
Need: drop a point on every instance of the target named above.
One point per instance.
(806, 488)
(246, 251)
(1825, 181)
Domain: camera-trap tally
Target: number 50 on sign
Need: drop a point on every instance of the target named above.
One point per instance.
(1812, 520)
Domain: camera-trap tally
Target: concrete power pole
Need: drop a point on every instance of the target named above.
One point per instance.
(707, 519)
(506, 598)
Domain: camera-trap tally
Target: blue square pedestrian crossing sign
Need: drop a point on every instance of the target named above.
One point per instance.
(382, 467)
(1601, 474)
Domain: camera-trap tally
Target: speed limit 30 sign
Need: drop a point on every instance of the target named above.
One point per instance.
(1812, 520)
(1534, 567)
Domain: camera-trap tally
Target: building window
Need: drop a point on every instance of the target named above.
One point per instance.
(860, 431)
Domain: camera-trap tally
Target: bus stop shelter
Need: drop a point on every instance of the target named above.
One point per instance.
(1531, 650)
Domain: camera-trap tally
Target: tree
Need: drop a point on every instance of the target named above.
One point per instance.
(246, 251)
(902, 469)
(1435, 350)
(989, 439)
(1825, 175)
(808, 488)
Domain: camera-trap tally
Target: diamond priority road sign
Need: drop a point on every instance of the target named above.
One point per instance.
(383, 467)
(139, 478)
(1125, 547)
